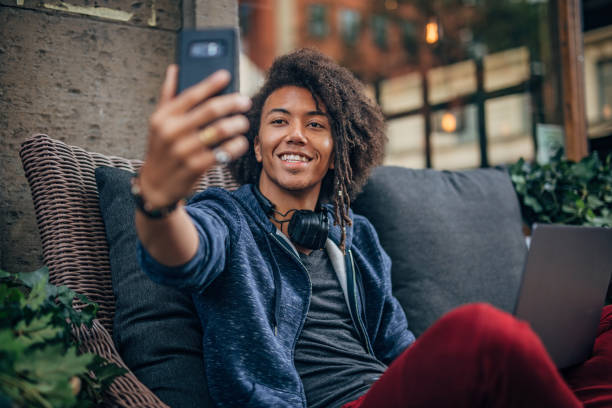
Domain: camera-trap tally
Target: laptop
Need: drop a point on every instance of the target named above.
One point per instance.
(564, 287)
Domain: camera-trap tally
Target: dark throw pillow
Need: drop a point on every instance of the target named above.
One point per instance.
(156, 329)
(453, 237)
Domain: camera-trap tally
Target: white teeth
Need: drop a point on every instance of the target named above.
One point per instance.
(294, 158)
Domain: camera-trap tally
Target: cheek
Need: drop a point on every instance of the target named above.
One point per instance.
(328, 148)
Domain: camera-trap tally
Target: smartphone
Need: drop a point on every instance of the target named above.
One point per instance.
(199, 53)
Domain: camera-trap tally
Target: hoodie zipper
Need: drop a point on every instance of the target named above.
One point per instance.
(299, 332)
(356, 302)
(292, 254)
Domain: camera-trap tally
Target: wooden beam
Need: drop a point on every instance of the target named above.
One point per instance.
(572, 78)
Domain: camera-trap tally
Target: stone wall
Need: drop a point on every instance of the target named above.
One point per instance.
(85, 72)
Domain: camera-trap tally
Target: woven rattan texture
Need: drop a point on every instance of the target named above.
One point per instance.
(63, 186)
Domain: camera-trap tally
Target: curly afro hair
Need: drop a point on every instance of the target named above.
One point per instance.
(358, 127)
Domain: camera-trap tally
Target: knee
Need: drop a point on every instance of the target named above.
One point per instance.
(478, 318)
(605, 323)
(491, 331)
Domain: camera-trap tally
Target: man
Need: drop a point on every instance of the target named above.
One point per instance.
(293, 290)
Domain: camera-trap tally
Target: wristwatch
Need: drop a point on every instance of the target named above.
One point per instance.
(145, 207)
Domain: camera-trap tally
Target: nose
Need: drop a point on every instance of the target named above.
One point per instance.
(296, 134)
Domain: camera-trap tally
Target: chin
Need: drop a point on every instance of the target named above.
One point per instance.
(296, 186)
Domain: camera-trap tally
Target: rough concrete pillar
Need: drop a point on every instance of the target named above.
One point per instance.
(215, 13)
(85, 74)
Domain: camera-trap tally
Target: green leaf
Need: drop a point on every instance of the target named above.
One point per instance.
(518, 179)
(564, 191)
(594, 202)
(106, 372)
(590, 215)
(533, 203)
(9, 343)
(29, 279)
(37, 356)
(53, 362)
(9, 297)
(583, 171)
(39, 330)
(604, 221)
(37, 295)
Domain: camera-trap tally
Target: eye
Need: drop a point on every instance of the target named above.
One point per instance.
(278, 121)
(316, 125)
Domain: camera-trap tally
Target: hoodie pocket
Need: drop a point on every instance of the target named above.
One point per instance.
(264, 396)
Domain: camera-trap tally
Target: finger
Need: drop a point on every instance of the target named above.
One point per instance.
(214, 109)
(223, 129)
(168, 88)
(234, 148)
(174, 127)
(201, 91)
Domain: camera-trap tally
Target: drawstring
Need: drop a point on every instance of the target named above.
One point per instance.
(277, 287)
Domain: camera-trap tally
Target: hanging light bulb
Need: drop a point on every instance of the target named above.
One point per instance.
(448, 122)
(390, 4)
(432, 32)
(607, 111)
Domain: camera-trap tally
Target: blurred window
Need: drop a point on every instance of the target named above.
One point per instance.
(462, 83)
(409, 36)
(453, 121)
(604, 69)
(318, 26)
(449, 81)
(350, 25)
(405, 147)
(379, 31)
(245, 11)
(401, 93)
(509, 129)
(454, 138)
(506, 68)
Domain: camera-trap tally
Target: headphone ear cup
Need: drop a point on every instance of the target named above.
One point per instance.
(309, 229)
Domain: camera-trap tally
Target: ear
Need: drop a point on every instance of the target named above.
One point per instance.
(332, 159)
(257, 149)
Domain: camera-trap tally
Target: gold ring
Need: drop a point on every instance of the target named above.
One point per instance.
(208, 136)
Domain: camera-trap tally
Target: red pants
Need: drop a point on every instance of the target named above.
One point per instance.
(478, 356)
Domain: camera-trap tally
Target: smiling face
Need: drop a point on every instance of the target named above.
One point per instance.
(294, 145)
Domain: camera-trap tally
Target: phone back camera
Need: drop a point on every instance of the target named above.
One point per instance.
(207, 49)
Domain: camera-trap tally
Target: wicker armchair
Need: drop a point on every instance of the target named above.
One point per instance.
(63, 186)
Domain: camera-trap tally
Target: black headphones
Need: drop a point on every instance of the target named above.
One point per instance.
(308, 229)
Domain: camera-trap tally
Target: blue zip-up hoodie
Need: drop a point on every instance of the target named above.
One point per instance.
(252, 294)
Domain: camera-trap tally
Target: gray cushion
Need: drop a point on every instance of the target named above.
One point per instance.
(156, 329)
(453, 237)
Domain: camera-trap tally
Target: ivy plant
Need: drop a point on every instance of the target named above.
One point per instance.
(40, 365)
(565, 192)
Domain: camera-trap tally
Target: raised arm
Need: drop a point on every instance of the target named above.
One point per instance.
(188, 134)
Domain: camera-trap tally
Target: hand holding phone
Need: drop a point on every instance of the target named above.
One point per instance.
(192, 130)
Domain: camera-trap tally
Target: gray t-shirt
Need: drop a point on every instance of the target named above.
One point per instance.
(332, 362)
